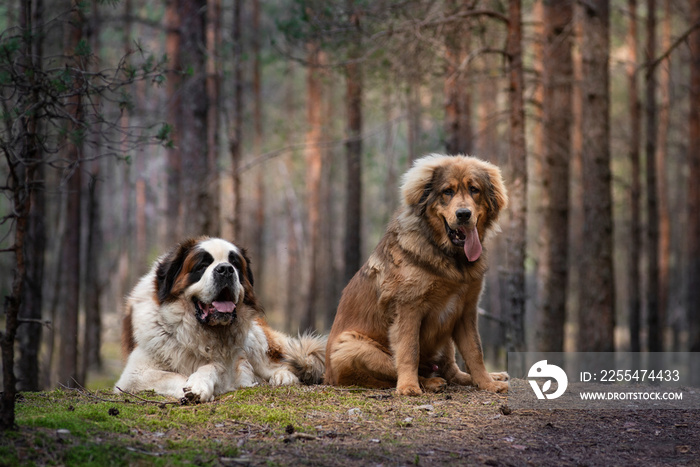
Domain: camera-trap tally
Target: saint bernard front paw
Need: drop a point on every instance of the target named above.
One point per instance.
(198, 389)
(283, 377)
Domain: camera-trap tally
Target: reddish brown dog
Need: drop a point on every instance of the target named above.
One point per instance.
(416, 297)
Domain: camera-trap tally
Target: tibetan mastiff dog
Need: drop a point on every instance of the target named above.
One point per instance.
(415, 299)
(193, 329)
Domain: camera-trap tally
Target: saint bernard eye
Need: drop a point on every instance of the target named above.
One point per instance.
(204, 262)
(235, 260)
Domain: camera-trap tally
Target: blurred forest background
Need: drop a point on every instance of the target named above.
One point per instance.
(285, 125)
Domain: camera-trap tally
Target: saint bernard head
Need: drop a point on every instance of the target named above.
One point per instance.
(212, 276)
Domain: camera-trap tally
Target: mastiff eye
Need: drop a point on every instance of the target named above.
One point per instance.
(448, 192)
(474, 190)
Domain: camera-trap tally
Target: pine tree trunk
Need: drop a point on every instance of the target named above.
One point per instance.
(353, 148)
(20, 180)
(213, 91)
(196, 178)
(92, 341)
(693, 231)
(652, 228)
(554, 238)
(597, 313)
(173, 90)
(30, 332)
(20, 177)
(661, 171)
(458, 130)
(314, 159)
(70, 260)
(634, 246)
(92, 329)
(517, 233)
(236, 133)
(258, 106)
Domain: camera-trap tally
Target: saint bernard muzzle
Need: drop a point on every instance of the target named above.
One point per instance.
(212, 275)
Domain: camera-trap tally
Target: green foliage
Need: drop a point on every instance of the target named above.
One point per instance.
(165, 134)
(83, 49)
(8, 48)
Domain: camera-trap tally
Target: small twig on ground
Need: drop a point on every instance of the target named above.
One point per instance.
(86, 392)
(148, 401)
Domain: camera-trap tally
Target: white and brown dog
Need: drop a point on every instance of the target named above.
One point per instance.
(193, 328)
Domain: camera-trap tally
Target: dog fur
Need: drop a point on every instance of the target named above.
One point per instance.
(194, 329)
(415, 299)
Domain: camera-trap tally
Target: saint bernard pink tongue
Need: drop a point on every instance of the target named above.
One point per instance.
(224, 307)
(472, 245)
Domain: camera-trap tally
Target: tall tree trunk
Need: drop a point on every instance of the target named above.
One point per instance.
(197, 201)
(353, 147)
(597, 313)
(328, 269)
(70, 260)
(390, 197)
(554, 238)
(173, 25)
(517, 232)
(295, 231)
(487, 148)
(693, 231)
(236, 136)
(314, 159)
(458, 130)
(213, 90)
(259, 224)
(30, 332)
(92, 328)
(576, 243)
(20, 179)
(413, 116)
(123, 230)
(661, 171)
(92, 331)
(652, 230)
(634, 279)
(456, 94)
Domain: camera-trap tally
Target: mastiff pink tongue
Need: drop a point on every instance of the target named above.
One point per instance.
(472, 245)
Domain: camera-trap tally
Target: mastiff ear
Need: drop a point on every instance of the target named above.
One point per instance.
(497, 195)
(418, 182)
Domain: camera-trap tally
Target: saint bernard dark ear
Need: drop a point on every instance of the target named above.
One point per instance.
(241, 262)
(247, 280)
(169, 269)
(248, 268)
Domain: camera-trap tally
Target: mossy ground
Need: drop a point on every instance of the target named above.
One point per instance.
(321, 425)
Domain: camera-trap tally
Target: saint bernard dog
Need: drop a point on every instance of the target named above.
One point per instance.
(193, 329)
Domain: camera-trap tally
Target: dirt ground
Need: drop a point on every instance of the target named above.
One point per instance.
(483, 431)
(374, 427)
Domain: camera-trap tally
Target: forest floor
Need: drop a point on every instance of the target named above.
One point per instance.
(321, 425)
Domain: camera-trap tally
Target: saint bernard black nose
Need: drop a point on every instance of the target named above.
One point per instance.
(224, 270)
(463, 215)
